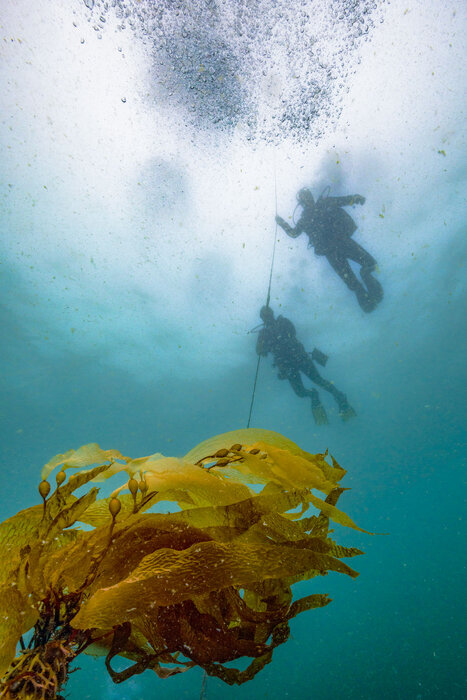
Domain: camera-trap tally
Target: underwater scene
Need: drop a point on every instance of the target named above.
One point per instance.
(233, 355)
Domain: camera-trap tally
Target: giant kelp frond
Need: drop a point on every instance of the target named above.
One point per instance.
(244, 436)
(210, 580)
(85, 456)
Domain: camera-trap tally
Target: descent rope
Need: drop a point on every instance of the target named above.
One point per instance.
(268, 296)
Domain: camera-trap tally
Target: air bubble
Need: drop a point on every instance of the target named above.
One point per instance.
(239, 49)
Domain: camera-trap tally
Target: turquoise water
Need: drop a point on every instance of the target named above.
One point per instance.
(137, 221)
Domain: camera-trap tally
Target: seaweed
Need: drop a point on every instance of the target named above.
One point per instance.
(204, 585)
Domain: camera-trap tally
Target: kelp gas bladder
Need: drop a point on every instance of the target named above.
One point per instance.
(202, 586)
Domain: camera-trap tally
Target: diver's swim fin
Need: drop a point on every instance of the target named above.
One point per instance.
(366, 303)
(319, 414)
(346, 411)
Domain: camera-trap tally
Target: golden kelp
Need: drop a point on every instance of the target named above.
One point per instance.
(204, 585)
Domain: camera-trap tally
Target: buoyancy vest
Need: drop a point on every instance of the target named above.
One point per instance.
(326, 225)
(280, 339)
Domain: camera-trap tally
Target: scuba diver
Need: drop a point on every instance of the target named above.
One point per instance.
(278, 336)
(330, 229)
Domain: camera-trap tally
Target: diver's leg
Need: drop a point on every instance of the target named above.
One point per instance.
(312, 373)
(296, 382)
(341, 266)
(355, 252)
(358, 254)
(374, 288)
(345, 409)
(297, 385)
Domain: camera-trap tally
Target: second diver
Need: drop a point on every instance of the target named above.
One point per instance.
(278, 336)
(330, 229)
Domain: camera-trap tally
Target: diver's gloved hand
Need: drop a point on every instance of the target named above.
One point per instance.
(280, 221)
(359, 199)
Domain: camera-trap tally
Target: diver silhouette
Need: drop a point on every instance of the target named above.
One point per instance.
(278, 336)
(330, 229)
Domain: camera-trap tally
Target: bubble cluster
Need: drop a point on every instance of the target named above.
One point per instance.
(271, 69)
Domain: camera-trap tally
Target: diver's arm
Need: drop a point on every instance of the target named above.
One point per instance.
(346, 201)
(261, 345)
(290, 230)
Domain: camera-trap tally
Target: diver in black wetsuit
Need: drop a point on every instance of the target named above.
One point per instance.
(330, 229)
(278, 336)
